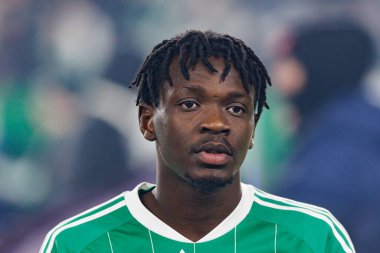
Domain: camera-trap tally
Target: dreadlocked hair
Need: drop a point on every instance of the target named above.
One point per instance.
(193, 46)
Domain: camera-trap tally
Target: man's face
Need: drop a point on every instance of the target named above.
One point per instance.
(203, 126)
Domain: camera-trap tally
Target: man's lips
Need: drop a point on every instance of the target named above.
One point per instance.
(214, 148)
(213, 159)
(214, 153)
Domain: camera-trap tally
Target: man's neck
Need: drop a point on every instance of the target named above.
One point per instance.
(190, 212)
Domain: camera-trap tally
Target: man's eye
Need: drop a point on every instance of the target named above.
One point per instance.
(236, 110)
(189, 105)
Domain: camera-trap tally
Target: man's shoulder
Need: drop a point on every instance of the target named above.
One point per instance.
(312, 224)
(76, 232)
(277, 205)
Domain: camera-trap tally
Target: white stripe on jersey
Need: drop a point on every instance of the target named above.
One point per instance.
(74, 217)
(275, 238)
(81, 221)
(314, 208)
(311, 213)
(109, 240)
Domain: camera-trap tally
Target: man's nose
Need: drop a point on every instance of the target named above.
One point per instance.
(215, 122)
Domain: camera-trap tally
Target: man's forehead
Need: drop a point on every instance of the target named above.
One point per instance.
(199, 71)
(199, 68)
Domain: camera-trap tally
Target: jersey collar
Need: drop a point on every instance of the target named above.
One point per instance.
(153, 223)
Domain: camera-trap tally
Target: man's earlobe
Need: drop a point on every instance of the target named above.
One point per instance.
(146, 121)
(251, 144)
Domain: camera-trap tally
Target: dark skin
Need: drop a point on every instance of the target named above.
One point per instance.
(203, 129)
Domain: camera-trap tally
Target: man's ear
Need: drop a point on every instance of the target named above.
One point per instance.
(253, 136)
(146, 121)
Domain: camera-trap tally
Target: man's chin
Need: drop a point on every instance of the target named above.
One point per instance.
(208, 184)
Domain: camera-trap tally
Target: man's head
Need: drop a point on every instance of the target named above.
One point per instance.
(200, 95)
(194, 46)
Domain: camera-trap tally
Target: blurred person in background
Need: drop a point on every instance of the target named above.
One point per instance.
(321, 69)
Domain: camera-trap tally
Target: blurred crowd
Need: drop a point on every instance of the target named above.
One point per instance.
(69, 136)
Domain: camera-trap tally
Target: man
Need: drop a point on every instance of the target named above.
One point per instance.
(200, 97)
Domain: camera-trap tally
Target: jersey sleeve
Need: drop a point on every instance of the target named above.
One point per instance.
(49, 246)
(339, 244)
(56, 242)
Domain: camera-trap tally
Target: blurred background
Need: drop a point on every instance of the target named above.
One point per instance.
(69, 136)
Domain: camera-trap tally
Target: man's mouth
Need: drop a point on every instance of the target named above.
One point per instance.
(214, 154)
(213, 159)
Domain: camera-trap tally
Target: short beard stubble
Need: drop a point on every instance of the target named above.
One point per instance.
(208, 185)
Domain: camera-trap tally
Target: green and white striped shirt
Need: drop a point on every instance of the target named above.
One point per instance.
(261, 223)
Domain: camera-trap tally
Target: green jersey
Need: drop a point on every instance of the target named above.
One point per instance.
(261, 223)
